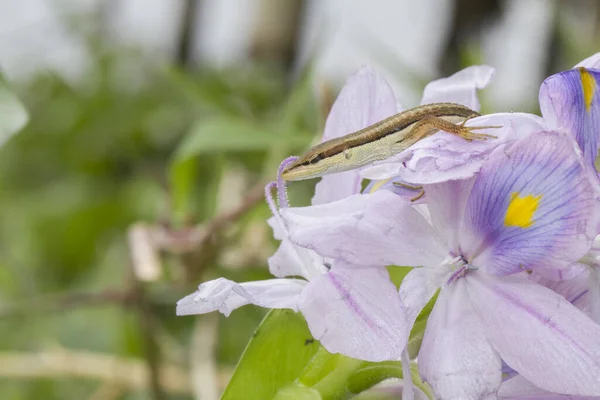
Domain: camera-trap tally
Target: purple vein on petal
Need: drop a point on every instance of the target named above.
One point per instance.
(347, 297)
(456, 274)
(580, 295)
(547, 321)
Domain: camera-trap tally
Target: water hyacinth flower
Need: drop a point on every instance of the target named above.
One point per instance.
(570, 101)
(531, 207)
(352, 309)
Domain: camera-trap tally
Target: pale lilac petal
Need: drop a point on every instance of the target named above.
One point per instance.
(563, 223)
(365, 99)
(408, 392)
(225, 296)
(570, 100)
(459, 88)
(538, 333)
(407, 193)
(447, 204)
(573, 289)
(590, 62)
(337, 186)
(594, 293)
(418, 287)
(292, 260)
(592, 263)
(444, 156)
(370, 229)
(279, 232)
(455, 358)
(566, 273)
(518, 388)
(356, 311)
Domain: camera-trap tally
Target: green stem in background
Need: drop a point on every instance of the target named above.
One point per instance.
(329, 374)
(370, 374)
(325, 377)
(334, 376)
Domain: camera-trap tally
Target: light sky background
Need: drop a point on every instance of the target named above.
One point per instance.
(34, 36)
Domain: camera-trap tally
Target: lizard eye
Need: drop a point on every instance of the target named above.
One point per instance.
(348, 154)
(316, 159)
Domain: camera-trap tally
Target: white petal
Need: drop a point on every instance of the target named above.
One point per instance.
(356, 312)
(459, 88)
(538, 333)
(590, 62)
(456, 358)
(225, 295)
(372, 229)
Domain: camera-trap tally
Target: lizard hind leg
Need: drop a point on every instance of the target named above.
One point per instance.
(466, 132)
(412, 187)
(429, 125)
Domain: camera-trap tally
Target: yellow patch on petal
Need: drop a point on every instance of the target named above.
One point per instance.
(521, 209)
(588, 83)
(377, 185)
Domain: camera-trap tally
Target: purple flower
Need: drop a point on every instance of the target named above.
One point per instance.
(570, 100)
(351, 308)
(531, 207)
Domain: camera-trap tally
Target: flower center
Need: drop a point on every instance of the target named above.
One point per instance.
(459, 265)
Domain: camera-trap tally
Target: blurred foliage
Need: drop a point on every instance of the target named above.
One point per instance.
(14, 114)
(132, 142)
(280, 349)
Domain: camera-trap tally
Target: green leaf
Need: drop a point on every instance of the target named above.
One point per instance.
(397, 274)
(279, 351)
(182, 178)
(298, 393)
(416, 338)
(218, 134)
(13, 115)
(329, 373)
(373, 373)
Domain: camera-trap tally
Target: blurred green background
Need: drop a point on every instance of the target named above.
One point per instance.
(138, 181)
